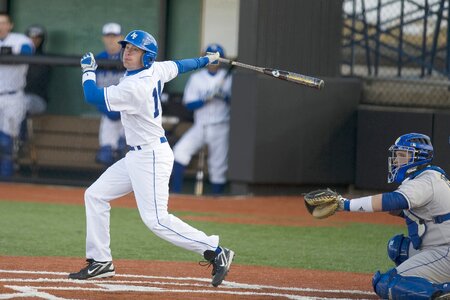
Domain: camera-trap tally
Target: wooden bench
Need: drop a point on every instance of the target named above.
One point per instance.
(71, 142)
(61, 142)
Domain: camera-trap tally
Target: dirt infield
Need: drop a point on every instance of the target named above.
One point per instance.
(46, 277)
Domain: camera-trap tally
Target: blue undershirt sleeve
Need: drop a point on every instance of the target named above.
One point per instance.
(195, 104)
(393, 201)
(94, 95)
(190, 64)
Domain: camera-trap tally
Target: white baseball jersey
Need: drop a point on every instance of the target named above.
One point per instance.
(145, 170)
(200, 85)
(13, 77)
(428, 196)
(137, 97)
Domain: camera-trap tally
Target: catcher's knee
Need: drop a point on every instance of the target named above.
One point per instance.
(398, 248)
(390, 285)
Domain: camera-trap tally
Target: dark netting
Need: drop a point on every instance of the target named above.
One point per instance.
(400, 49)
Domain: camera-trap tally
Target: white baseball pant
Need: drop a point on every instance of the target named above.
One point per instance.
(147, 173)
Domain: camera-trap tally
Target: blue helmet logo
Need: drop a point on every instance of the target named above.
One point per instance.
(144, 41)
(410, 153)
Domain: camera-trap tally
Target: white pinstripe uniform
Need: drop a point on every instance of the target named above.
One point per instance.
(12, 83)
(146, 170)
(428, 196)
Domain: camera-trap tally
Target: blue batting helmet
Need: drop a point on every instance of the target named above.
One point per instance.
(416, 153)
(144, 41)
(215, 48)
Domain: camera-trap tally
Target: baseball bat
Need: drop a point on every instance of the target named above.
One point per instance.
(309, 81)
(200, 173)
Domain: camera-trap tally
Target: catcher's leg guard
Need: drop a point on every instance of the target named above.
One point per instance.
(390, 285)
(398, 248)
(177, 177)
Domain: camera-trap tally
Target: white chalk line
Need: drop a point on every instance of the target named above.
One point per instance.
(114, 286)
(142, 289)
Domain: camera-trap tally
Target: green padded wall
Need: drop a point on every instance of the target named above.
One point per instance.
(74, 27)
(183, 35)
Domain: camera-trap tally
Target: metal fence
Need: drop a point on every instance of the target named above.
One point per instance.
(400, 48)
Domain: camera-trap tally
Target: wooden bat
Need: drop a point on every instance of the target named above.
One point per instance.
(198, 191)
(280, 74)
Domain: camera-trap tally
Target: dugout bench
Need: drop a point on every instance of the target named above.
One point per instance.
(57, 142)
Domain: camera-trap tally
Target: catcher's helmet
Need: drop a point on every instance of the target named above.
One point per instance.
(144, 41)
(417, 153)
(215, 48)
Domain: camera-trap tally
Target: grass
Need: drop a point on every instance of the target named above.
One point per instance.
(38, 229)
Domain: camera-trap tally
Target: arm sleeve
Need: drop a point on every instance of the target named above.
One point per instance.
(195, 104)
(190, 64)
(94, 95)
(393, 201)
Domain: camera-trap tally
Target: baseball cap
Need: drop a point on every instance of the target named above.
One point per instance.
(111, 28)
(35, 31)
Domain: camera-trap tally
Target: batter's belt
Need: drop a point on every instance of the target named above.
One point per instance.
(161, 140)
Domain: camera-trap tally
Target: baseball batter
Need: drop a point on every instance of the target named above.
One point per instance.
(423, 200)
(111, 130)
(207, 93)
(146, 168)
(12, 99)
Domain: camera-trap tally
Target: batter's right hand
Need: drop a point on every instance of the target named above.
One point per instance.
(88, 63)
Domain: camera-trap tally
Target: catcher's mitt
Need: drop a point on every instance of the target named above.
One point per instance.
(323, 203)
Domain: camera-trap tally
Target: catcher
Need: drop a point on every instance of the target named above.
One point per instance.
(422, 258)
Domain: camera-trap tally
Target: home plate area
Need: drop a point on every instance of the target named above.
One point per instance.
(55, 285)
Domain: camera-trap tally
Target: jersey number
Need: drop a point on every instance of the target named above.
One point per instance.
(157, 99)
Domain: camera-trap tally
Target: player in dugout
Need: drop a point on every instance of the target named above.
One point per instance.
(12, 97)
(146, 168)
(423, 199)
(207, 93)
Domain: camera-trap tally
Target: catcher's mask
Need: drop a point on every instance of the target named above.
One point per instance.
(410, 153)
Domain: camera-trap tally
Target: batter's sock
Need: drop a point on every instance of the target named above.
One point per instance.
(177, 177)
(217, 188)
(6, 166)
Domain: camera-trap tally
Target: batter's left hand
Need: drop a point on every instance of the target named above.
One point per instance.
(88, 63)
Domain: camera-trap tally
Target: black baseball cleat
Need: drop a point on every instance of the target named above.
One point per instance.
(94, 269)
(221, 264)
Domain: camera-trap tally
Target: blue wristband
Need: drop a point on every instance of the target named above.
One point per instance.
(347, 205)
